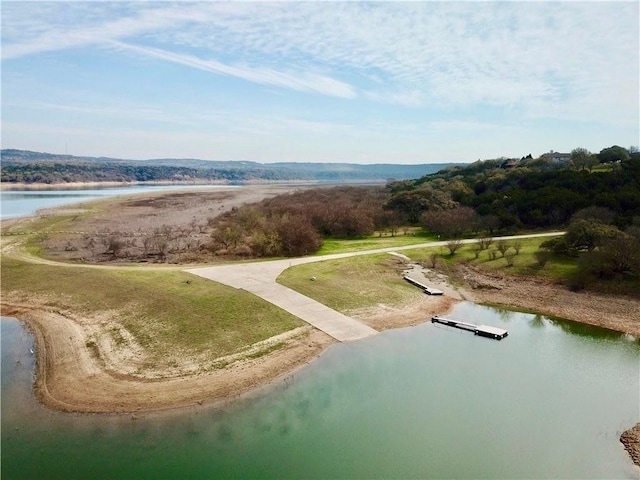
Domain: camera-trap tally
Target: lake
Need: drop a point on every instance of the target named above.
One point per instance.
(22, 203)
(548, 401)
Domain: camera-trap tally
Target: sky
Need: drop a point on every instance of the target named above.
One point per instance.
(357, 82)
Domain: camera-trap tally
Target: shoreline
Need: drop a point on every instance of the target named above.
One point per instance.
(195, 183)
(534, 295)
(69, 378)
(96, 390)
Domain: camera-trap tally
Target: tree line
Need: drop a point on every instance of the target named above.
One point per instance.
(294, 224)
(56, 173)
(600, 207)
(497, 195)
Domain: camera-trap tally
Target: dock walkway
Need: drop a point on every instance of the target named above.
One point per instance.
(260, 278)
(482, 330)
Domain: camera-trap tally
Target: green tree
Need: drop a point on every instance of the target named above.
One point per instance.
(588, 234)
(582, 159)
(409, 203)
(613, 154)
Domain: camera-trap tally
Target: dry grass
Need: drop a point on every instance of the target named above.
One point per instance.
(164, 310)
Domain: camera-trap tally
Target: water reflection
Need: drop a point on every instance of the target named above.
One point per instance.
(546, 402)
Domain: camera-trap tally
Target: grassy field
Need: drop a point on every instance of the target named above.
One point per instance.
(352, 283)
(523, 263)
(357, 282)
(413, 236)
(162, 309)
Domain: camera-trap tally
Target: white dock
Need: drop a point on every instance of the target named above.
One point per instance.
(427, 289)
(482, 330)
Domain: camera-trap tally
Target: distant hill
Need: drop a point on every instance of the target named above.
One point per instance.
(23, 166)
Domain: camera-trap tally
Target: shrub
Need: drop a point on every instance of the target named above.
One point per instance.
(542, 257)
(453, 246)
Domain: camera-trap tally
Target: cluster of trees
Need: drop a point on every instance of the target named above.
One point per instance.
(294, 224)
(604, 251)
(528, 195)
(600, 208)
(54, 173)
(482, 199)
(583, 159)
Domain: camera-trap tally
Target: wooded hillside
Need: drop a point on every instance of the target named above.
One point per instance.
(21, 166)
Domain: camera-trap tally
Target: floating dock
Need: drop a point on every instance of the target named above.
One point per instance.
(428, 290)
(482, 330)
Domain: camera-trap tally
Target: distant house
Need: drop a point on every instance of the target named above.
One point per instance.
(557, 157)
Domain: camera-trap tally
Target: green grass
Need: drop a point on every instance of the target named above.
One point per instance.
(163, 310)
(524, 263)
(338, 245)
(351, 283)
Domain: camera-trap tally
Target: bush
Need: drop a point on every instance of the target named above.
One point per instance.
(542, 257)
(510, 257)
(502, 246)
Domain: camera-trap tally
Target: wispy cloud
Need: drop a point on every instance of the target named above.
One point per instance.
(401, 62)
(300, 81)
(424, 53)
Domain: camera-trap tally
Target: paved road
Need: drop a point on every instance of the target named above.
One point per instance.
(259, 278)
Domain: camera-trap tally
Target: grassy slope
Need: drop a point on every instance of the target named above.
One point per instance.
(336, 245)
(364, 281)
(162, 309)
(524, 263)
(351, 283)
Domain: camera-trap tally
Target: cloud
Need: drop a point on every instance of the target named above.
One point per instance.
(566, 59)
(301, 81)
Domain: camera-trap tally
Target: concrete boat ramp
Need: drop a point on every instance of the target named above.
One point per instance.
(259, 278)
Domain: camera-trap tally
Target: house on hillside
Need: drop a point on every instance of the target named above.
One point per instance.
(510, 163)
(557, 157)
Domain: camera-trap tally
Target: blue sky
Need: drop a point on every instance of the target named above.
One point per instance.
(389, 82)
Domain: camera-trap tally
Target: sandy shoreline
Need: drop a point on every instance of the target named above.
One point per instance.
(546, 298)
(69, 378)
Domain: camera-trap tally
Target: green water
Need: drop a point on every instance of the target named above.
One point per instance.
(549, 401)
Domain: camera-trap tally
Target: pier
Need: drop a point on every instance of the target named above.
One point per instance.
(426, 288)
(482, 330)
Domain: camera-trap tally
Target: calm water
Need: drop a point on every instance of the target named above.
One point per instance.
(21, 203)
(549, 401)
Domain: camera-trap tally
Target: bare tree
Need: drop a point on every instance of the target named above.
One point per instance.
(510, 258)
(454, 245)
(485, 242)
(502, 246)
(581, 158)
(517, 246)
(114, 245)
(452, 222)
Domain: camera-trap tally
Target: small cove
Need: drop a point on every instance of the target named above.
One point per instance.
(549, 401)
